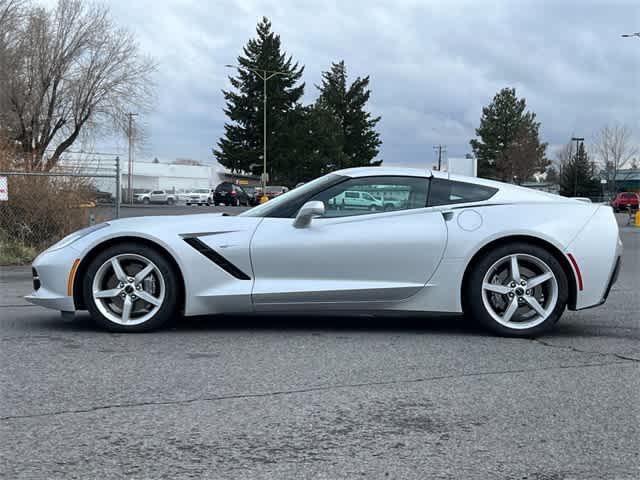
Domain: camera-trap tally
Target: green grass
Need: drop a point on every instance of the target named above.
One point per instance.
(13, 253)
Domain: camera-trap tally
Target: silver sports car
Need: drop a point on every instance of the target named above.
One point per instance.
(359, 240)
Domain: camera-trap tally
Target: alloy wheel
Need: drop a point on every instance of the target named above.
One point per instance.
(128, 289)
(520, 291)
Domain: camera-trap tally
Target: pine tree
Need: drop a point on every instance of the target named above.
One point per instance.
(356, 134)
(509, 144)
(577, 178)
(321, 152)
(241, 148)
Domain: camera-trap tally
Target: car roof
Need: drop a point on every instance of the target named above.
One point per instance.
(506, 192)
(383, 171)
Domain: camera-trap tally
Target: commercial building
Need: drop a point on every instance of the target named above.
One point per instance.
(179, 177)
(628, 180)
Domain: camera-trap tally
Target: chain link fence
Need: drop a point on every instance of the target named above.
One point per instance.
(38, 208)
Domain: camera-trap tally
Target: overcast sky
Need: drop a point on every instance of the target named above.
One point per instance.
(433, 64)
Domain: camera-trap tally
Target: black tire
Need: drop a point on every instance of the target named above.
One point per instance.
(170, 201)
(472, 298)
(166, 310)
(146, 201)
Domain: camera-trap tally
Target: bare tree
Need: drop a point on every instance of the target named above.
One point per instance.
(613, 147)
(68, 70)
(524, 156)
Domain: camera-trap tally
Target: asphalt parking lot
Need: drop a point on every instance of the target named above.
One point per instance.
(314, 397)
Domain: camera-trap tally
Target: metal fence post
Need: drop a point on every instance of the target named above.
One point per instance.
(118, 192)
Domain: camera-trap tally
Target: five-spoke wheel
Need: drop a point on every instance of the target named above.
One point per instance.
(516, 289)
(130, 287)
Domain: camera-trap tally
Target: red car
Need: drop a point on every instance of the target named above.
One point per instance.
(625, 200)
(273, 192)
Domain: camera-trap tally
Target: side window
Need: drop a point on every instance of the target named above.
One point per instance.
(358, 196)
(157, 192)
(447, 192)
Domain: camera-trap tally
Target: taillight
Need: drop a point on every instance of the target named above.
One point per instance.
(233, 192)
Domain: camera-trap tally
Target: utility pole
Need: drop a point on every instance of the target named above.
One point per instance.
(130, 171)
(263, 75)
(440, 149)
(118, 187)
(575, 164)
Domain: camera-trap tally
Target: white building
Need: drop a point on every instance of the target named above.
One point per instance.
(172, 177)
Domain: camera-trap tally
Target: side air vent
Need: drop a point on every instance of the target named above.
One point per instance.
(216, 258)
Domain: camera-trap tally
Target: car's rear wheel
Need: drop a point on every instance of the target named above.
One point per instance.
(517, 290)
(130, 288)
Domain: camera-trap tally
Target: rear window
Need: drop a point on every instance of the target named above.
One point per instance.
(224, 187)
(447, 192)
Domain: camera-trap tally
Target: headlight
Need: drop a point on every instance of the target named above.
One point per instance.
(69, 239)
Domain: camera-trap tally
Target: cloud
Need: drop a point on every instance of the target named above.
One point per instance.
(433, 64)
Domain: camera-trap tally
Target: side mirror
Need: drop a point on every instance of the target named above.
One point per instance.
(308, 211)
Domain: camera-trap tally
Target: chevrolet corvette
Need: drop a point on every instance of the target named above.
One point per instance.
(410, 240)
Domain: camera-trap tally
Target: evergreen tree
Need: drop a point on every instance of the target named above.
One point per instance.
(316, 142)
(356, 135)
(241, 148)
(509, 145)
(578, 176)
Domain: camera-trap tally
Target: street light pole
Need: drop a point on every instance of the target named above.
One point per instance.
(575, 164)
(264, 75)
(264, 137)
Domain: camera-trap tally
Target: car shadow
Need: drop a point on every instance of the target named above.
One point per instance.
(447, 324)
(427, 324)
(416, 324)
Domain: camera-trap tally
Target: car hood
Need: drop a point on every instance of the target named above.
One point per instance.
(165, 230)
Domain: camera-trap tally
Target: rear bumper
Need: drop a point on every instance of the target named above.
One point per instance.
(613, 279)
(597, 250)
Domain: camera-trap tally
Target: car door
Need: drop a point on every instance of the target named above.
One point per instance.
(351, 255)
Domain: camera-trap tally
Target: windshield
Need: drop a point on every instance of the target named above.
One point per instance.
(287, 203)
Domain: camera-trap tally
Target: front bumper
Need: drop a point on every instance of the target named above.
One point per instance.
(52, 269)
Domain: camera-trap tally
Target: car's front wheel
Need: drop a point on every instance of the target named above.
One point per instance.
(517, 290)
(130, 288)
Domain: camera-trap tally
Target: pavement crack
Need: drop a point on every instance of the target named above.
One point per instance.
(624, 357)
(577, 350)
(276, 393)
